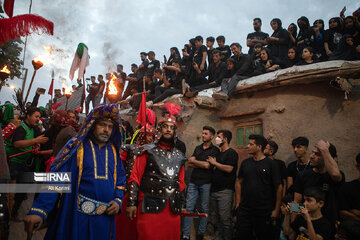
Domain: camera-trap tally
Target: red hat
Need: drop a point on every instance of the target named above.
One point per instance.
(170, 111)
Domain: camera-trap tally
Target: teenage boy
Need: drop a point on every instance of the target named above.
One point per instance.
(224, 49)
(300, 146)
(199, 59)
(258, 192)
(210, 45)
(310, 224)
(200, 181)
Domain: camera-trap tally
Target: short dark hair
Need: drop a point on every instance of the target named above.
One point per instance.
(332, 150)
(151, 52)
(273, 146)
(220, 38)
(210, 129)
(134, 65)
(199, 38)
(315, 192)
(210, 39)
(260, 140)
(302, 141)
(158, 71)
(236, 44)
(258, 19)
(358, 159)
(226, 134)
(100, 76)
(216, 52)
(93, 77)
(120, 65)
(143, 53)
(31, 110)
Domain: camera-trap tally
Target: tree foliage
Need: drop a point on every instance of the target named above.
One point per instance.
(10, 55)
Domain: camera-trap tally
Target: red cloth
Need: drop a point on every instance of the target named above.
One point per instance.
(8, 130)
(9, 7)
(48, 163)
(51, 88)
(125, 228)
(142, 111)
(164, 225)
(23, 25)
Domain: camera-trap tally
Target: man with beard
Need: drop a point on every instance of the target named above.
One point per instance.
(156, 186)
(258, 193)
(200, 181)
(256, 37)
(224, 168)
(324, 173)
(97, 182)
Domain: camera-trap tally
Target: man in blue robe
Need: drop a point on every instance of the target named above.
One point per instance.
(97, 182)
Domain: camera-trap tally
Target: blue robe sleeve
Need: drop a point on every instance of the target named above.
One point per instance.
(120, 182)
(46, 201)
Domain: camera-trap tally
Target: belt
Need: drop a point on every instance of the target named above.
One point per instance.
(90, 206)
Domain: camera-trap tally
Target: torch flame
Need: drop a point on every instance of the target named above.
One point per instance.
(44, 57)
(67, 89)
(112, 87)
(5, 70)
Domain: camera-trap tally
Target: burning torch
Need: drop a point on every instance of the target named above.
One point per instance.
(37, 63)
(112, 94)
(4, 73)
(67, 95)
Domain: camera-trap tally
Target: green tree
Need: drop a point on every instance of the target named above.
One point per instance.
(10, 56)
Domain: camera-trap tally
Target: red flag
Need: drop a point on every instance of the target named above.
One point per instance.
(142, 111)
(9, 7)
(51, 88)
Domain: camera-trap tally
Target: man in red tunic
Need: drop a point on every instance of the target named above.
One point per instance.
(156, 186)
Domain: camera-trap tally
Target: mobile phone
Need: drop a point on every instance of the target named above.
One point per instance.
(295, 207)
(42, 90)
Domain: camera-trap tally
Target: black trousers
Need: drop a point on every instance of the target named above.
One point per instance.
(163, 92)
(253, 227)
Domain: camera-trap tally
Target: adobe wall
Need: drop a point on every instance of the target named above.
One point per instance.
(316, 111)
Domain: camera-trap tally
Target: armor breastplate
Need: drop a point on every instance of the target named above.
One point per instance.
(160, 181)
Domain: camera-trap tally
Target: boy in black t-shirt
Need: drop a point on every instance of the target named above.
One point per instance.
(224, 49)
(210, 45)
(258, 193)
(310, 224)
(300, 146)
(199, 59)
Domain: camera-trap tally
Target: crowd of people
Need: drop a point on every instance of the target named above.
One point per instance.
(309, 197)
(201, 65)
(260, 198)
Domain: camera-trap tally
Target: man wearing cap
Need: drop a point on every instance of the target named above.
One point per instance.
(156, 186)
(97, 182)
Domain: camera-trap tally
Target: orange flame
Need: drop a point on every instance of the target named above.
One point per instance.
(44, 57)
(5, 70)
(112, 87)
(68, 90)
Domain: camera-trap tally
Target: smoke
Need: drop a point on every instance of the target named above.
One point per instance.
(110, 53)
